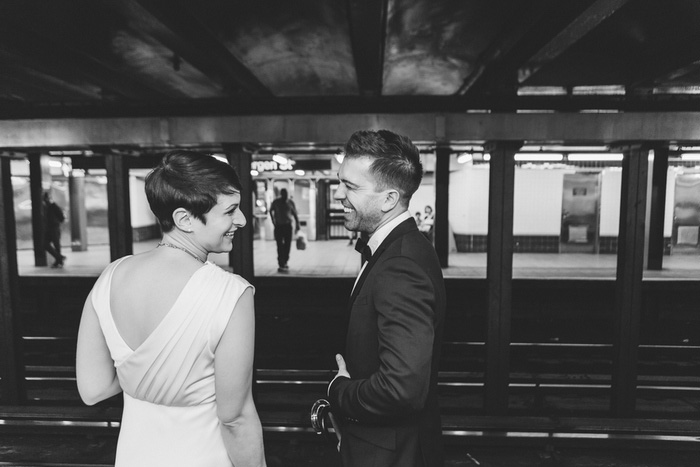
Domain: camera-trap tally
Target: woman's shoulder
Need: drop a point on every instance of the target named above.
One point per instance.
(228, 278)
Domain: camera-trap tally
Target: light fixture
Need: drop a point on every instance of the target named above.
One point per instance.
(487, 157)
(562, 148)
(254, 173)
(607, 157)
(464, 158)
(538, 157)
(299, 172)
(279, 159)
(690, 156)
(74, 152)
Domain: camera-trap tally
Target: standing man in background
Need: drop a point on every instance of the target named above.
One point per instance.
(53, 218)
(384, 399)
(283, 212)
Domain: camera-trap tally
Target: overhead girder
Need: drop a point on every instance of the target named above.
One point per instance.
(334, 129)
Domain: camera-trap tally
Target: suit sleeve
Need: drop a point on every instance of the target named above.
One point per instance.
(404, 300)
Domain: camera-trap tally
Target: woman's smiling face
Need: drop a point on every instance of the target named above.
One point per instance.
(222, 221)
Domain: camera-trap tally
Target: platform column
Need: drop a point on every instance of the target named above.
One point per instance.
(628, 284)
(499, 275)
(11, 365)
(119, 210)
(657, 208)
(241, 257)
(39, 182)
(78, 211)
(442, 200)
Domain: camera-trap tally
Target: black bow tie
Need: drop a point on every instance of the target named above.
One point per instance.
(362, 247)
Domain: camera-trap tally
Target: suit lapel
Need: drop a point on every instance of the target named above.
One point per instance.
(401, 229)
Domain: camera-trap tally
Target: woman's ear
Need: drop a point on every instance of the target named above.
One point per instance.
(182, 219)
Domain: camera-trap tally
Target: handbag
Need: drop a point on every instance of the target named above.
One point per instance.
(301, 241)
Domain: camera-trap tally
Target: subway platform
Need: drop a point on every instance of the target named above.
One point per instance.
(337, 258)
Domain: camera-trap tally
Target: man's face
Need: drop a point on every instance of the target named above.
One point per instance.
(358, 195)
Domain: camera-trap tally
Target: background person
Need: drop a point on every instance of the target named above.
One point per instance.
(385, 398)
(53, 218)
(175, 332)
(283, 212)
(418, 218)
(427, 223)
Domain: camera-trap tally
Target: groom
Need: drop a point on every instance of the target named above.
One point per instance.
(384, 399)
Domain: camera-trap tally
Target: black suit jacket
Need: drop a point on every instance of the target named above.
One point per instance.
(388, 410)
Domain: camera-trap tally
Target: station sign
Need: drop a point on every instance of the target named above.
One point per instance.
(273, 166)
(268, 165)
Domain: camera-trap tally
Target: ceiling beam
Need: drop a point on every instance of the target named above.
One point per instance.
(516, 30)
(335, 129)
(367, 37)
(595, 14)
(639, 102)
(199, 46)
(52, 88)
(50, 56)
(659, 65)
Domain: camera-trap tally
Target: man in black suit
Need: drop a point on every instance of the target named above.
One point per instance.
(384, 400)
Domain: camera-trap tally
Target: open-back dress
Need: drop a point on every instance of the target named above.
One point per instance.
(169, 416)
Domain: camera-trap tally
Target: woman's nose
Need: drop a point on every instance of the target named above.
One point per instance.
(239, 220)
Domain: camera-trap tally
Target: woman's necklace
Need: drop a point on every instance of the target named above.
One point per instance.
(183, 249)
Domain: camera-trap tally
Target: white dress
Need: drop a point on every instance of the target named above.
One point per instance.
(169, 414)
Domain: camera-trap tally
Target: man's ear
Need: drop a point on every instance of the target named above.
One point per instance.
(182, 219)
(391, 199)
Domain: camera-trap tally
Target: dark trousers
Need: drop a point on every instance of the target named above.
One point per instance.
(52, 243)
(283, 237)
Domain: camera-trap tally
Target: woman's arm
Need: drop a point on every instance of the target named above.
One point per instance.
(240, 424)
(94, 367)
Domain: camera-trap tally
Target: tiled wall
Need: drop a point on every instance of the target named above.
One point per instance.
(536, 244)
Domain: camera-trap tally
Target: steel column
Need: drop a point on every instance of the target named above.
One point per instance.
(658, 207)
(442, 200)
(499, 276)
(11, 365)
(630, 265)
(121, 241)
(241, 257)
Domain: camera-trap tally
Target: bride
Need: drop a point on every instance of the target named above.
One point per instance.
(174, 332)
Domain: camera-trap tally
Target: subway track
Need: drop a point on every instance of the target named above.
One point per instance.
(54, 420)
(561, 362)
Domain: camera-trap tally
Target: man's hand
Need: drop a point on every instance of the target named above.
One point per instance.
(342, 370)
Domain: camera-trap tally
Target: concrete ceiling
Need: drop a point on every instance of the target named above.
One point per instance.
(131, 58)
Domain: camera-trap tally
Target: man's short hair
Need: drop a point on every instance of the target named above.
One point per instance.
(189, 180)
(396, 160)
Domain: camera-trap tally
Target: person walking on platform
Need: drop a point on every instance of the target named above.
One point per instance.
(175, 332)
(53, 218)
(384, 396)
(283, 212)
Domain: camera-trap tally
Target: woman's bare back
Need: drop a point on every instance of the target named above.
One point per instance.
(144, 288)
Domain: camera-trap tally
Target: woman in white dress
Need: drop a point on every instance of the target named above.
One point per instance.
(175, 332)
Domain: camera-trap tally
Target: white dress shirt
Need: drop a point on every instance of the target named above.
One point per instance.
(378, 237)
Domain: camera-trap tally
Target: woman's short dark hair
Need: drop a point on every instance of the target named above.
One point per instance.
(190, 180)
(396, 161)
